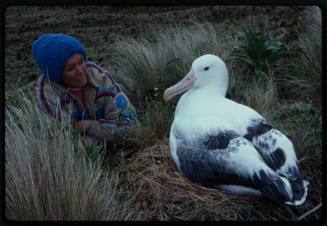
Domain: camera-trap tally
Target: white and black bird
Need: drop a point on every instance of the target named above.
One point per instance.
(222, 144)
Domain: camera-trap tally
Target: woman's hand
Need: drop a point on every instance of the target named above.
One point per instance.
(83, 125)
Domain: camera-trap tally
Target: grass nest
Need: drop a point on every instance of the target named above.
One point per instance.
(152, 183)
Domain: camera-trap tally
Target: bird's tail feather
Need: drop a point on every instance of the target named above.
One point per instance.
(300, 191)
(292, 192)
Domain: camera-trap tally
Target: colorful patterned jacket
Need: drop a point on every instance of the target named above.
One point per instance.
(104, 101)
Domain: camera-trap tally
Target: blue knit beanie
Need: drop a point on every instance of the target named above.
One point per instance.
(51, 51)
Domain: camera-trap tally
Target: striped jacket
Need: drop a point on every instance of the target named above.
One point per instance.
(104, 101)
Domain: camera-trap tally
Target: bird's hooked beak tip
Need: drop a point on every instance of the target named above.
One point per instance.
(165, 96)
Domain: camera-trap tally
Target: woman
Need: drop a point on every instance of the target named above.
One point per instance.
(77, 91)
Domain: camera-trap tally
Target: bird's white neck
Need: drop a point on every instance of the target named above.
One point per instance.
(217, 87)
(212, 90)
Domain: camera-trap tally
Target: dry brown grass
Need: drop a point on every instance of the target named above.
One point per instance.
(48, 175)
(301, 78)
(159, 192)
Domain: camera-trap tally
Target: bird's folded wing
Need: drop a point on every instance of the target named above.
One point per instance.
(233, 161)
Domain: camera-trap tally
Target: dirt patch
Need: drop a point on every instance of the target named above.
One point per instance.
(99, 27)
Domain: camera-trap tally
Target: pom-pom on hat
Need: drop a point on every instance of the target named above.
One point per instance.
(51, 51)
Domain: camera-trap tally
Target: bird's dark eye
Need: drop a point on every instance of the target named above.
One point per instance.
(206, 68)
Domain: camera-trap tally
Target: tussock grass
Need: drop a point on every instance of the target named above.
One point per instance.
(159, 60)
(158, 118)
(290, 97)
(302, 122)
(300, 86)
(302, 77)
(259, 93)
(146, 185)
(48, 175)
(166, 59)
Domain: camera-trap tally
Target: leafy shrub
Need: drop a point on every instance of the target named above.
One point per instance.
(258, 48)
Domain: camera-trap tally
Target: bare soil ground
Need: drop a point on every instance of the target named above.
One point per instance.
(100, 26)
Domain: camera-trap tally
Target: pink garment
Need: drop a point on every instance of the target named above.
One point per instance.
(78, 93)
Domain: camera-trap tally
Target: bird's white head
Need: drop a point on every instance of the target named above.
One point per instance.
(208, 71)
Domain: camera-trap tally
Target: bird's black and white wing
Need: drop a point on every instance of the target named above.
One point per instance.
(227, 161)
(278, 153)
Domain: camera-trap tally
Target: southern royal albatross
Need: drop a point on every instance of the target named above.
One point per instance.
(221, 144)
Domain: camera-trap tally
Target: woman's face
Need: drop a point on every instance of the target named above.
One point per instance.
(74, 74)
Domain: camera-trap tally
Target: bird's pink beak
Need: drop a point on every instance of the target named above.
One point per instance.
(185, 84)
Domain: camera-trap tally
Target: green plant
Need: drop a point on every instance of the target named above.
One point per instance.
(95, 153)
(258, 48)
